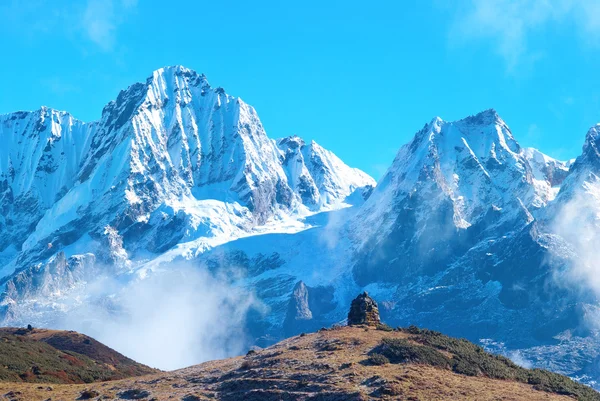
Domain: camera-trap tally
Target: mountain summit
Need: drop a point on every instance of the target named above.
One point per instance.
(172, 159)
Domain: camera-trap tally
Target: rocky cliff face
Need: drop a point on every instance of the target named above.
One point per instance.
(453, 185)
(318, 176)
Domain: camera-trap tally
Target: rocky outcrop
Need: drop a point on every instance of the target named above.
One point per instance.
(363, 310)
(51, 278)
(298, 307)
(307, 308)
(59, 275)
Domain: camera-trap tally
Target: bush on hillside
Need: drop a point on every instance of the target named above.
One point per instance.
(472, 360)
(377, 359)
(403, 351)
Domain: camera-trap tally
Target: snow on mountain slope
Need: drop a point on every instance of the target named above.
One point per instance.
(574, 218)
(450, 184)
(171, 160)
(548, 173)
(585, 170)
(474, 163)
(318, 176)
(39, 160)
(491, 273)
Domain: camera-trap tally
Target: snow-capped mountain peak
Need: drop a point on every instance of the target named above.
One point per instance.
(548, 173)
(591, 148)
(170, 160)
(583, 175)
(472, 163)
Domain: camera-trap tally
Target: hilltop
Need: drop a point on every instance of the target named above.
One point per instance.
(54, 356)
(342, 363)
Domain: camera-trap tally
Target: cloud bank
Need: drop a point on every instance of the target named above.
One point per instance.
(169, 320)
(578, 222)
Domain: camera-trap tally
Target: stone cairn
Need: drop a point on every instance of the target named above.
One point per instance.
(363, 311)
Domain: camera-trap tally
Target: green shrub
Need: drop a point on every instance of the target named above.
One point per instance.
(403, 351)
(469, 359)
(384, 327)
(555, 383)
(472, 360)
(378, 359)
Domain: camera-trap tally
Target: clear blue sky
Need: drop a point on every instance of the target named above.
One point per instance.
(359, 77)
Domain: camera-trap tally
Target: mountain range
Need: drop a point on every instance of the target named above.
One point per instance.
(467, 232)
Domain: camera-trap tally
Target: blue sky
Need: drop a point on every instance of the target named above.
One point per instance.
(358, 77)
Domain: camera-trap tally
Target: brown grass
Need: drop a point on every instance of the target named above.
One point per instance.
(329, 364)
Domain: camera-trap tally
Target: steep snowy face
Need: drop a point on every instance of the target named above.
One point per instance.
(574, 218)
(548, 174)
(177, 136)
(171, 160)
(450, 184)
(473, 165)
(298, 176)
(585, 170)
(39, 162)
(334, 179)
(577, 204)
(318, 176)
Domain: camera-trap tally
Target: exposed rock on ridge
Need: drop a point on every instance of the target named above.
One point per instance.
(363, 310)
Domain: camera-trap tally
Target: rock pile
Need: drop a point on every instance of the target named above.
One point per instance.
(363, 310)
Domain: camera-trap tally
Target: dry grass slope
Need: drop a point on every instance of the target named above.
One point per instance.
(331, 365)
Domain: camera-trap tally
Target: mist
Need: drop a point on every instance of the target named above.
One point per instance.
(578, 223)
(171, 319)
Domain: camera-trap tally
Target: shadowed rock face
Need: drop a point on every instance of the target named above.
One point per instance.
(307, 308)
(363, 310)
(299, 303)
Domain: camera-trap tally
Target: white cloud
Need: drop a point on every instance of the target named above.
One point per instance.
(101, 19)
(578, 223)
(95, 21)
(171, 319)
(509, 24)
(59, 86)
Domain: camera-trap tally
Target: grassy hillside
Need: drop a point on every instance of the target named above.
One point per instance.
(432, 348)
(345, 363)
(52, 356)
